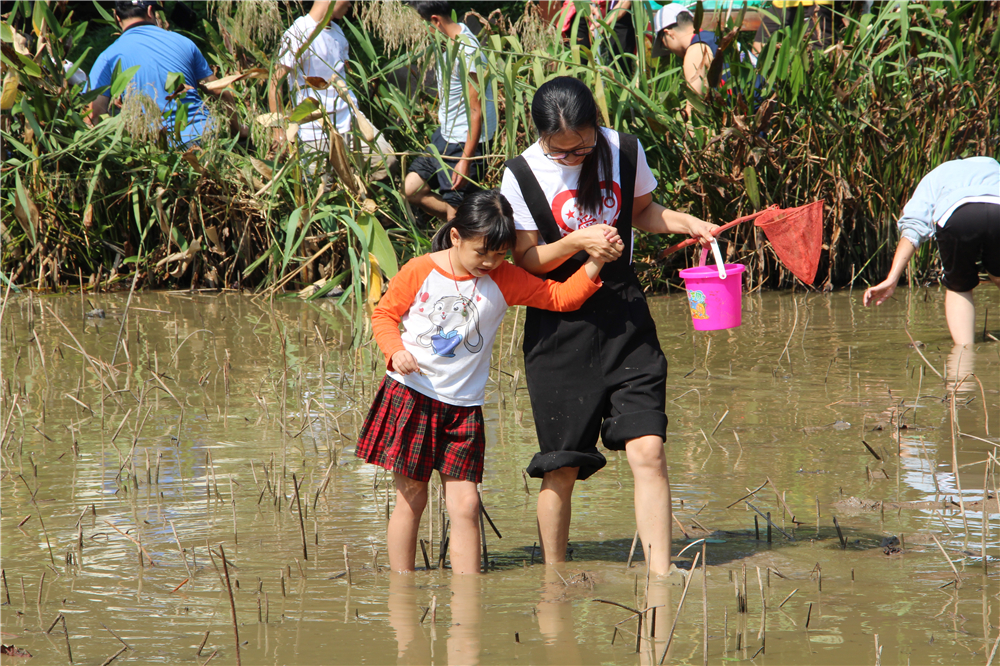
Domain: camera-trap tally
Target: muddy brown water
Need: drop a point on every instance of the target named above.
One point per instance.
(216, 402)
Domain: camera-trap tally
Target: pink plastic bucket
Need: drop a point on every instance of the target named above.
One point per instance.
(715, 304)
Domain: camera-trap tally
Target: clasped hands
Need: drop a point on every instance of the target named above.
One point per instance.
(600, 241)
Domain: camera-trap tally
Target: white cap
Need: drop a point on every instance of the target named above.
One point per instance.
(662, 20)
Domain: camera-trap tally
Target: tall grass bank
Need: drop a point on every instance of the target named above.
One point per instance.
(855, 125)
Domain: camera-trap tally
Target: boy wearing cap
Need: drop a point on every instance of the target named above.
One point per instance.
(158, 53)
(675, 33)
(467, 114)
(959, 204)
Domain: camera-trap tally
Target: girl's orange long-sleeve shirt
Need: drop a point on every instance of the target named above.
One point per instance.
(449, 323)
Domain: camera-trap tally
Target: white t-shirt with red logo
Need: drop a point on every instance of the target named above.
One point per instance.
(559, 184)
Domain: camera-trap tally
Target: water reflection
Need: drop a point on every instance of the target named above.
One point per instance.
(656, 628)
(554, 613)
(415, 628)
(263, 391)
(466, 609)
(405, 618)
(960, 369)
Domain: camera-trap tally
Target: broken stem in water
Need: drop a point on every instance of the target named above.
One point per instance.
(232, 603)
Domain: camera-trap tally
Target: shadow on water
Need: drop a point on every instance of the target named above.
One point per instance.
(726, 547)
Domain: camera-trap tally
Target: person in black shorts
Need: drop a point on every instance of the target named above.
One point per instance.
(435, 176)
(599, 371)
(959, 204)
(439, 180)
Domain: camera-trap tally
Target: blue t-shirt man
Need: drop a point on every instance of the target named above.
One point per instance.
(157, 52)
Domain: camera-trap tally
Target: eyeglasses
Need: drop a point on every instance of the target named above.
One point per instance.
(579, 152)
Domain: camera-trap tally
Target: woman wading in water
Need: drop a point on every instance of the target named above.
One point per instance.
(599, 370)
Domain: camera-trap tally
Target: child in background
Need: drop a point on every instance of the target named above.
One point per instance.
(439, 180)
(427, 414)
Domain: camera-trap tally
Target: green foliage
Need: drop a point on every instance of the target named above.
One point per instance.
(855, 125)
(98, 202)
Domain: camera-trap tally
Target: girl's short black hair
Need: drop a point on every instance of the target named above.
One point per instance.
(429, 8)
(566, 103)
(484, 214)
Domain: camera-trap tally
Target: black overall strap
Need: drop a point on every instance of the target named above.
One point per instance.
(628, 159)
(535, 199)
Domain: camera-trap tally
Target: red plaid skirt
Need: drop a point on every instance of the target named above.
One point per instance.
(412, 434)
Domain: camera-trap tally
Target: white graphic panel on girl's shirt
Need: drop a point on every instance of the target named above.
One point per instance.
(453, 321)
(570, 218)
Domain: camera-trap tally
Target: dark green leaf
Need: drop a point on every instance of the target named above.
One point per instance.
(328, 286)
(750, 183)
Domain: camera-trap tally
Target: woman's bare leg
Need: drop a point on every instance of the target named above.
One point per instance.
(554, 512)
(411, 498)
(648, 461)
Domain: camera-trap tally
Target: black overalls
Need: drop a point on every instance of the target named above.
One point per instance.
(600, 369)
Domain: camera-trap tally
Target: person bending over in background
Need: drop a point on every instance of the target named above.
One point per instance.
(959, 203)
(467, 116)
(158, 53)
(325, 58)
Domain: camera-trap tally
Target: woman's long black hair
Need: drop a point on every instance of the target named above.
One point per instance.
(565, 103)
(484, 214)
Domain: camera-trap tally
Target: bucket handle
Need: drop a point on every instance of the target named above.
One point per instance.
(717, 255)
(718, 259)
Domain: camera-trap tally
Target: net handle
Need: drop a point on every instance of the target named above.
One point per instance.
(715, 232)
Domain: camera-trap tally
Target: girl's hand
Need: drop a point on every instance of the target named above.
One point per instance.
(404, 363)
(702, 230)
(593, 240)
(879, 293)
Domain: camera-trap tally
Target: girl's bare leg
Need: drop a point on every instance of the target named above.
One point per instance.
(555, 509)
(462, 501)
(411, 498)
(648, 461)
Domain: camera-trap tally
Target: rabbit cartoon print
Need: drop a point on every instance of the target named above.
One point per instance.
(454, 323)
